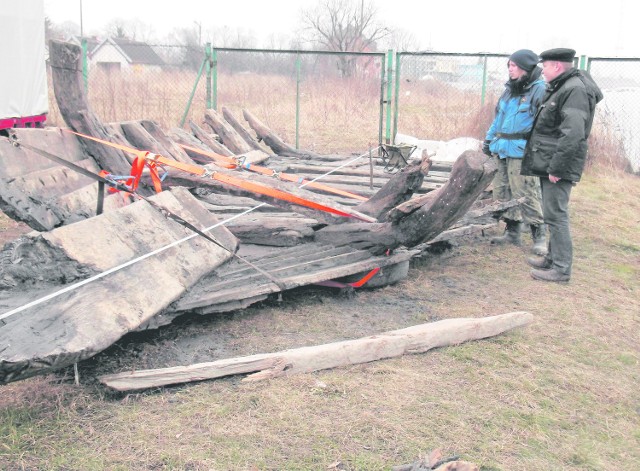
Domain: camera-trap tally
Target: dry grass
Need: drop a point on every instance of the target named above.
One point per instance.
(561, 394)
(337, 115)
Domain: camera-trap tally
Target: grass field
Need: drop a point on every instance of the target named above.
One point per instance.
(560, 394)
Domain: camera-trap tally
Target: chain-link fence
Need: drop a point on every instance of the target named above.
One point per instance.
(321, 101)
(335, 102)
(618, 118)
(442, 96)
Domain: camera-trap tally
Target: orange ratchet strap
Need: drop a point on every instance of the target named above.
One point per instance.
(356, 284)
(153, 160)
(273, 173)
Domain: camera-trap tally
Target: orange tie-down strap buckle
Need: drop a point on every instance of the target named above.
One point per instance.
(272, 173)
(153, 161)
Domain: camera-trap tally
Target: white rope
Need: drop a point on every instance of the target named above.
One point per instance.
(150, 254)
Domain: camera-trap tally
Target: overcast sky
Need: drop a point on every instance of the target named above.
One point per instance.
(500, 26)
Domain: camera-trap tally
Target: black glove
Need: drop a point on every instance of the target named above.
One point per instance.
(485, 147)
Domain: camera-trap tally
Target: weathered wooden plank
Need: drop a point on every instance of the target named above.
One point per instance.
(422, 220)
(174, 150)
(137, 134)
(310, 169)
(184, 179)
(80, 323)
(229, 136)
(416, 339)
(273, 231)
(209, 141)
(180, 136)
(35, 188)
(233, 272)
(206, 293)
(396, 190)
(16, 161)
(240, 129)
(68, 84)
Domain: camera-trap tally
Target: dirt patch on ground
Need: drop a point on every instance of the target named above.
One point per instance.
(305, 316)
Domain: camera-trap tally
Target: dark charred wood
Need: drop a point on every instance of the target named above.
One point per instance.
(229, 136)
(179, 178)
(209, 141)
(136, 133)
(423, 218)
(273, 140)
(398, 189)
(174, 151)
(84, 321)
(68, 85)
(240, 129)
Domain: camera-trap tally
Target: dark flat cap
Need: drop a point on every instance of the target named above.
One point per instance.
(560, 54)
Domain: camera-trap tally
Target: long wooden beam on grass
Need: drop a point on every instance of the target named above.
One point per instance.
(415, 339)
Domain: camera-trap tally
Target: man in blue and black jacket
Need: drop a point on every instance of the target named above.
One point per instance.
(506, 140)
(557, 152)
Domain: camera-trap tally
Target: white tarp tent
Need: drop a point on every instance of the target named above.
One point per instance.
(23, 78)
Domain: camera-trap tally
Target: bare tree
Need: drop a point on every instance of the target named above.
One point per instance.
(344, 25)
(226, 36)
(52, 30)
(119, 28)
(191, 52)
(401, 39)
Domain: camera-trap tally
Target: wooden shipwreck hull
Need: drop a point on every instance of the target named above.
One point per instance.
(84, 280)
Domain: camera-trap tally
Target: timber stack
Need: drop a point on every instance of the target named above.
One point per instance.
(206, 221)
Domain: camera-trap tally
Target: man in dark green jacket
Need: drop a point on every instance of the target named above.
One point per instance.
(557, 152)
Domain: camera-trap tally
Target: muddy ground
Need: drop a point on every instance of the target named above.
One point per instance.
(305, 316)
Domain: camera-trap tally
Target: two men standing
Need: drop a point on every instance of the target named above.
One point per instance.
(554, 151)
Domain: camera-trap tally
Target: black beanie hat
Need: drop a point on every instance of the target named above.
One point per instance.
(525, 59)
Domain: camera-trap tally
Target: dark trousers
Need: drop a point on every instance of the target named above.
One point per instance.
(555, 206)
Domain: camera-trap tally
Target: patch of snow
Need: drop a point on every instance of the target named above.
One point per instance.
(444, 151)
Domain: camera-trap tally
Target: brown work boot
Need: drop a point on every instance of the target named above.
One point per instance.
(549, 275)
(539, 262)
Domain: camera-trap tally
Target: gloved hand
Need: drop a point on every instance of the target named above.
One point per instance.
(485, 147)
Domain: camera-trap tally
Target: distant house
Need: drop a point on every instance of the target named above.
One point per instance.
(117, 54)
(92, 42)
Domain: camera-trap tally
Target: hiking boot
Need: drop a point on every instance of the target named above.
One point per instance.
(539, 237)
(511, 233)
(549, 275)
(540, 262)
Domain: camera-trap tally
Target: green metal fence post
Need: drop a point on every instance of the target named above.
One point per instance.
(484, 81)
(298, 100)
(207, 53)
(389, 93)
(214, 61)
(381, 117)
(396, 95)
(85, 65)
(583, 62)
